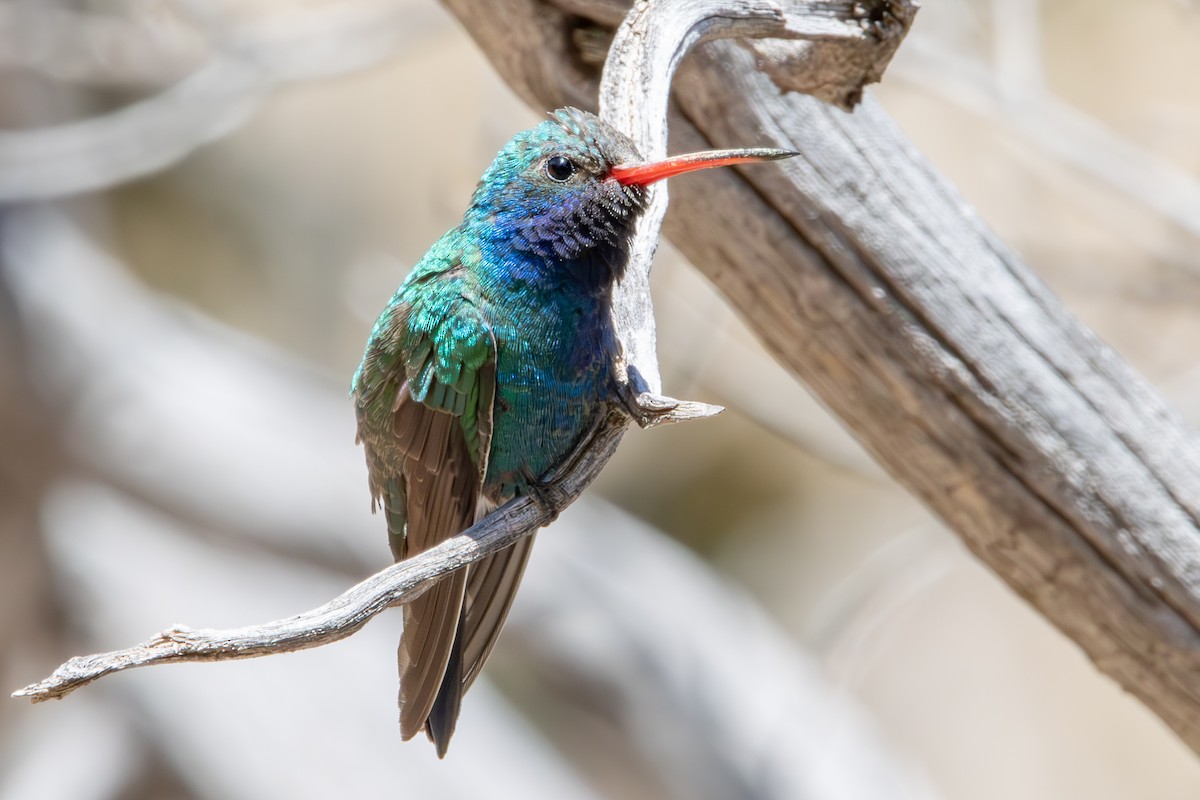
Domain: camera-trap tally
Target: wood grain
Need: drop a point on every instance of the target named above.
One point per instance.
(868, 277)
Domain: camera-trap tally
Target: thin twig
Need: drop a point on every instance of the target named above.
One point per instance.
(348, 612)
(335, 620)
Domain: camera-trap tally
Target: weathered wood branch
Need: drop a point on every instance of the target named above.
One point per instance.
(870, 279)
(644, 54)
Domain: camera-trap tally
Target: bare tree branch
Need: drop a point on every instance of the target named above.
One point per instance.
(870, 279)
(346, 613)
(644, 55)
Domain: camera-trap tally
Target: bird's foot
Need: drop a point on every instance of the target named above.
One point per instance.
(548, 497)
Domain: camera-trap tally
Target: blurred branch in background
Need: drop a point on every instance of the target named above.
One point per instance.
(97, 49)
(1060, 132)
(239, 68)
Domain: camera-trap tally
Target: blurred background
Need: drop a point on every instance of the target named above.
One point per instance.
(203, 206)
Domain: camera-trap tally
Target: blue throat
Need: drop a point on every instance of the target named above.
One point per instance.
(565, 265)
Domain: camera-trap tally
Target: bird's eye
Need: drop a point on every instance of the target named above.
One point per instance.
(559, 168)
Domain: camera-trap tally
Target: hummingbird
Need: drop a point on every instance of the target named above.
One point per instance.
(486, 368)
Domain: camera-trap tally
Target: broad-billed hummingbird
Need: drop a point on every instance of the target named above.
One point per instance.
(491, 361)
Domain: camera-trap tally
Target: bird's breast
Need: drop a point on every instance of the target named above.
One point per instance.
(553, 373)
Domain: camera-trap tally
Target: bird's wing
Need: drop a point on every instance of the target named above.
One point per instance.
(424, 397)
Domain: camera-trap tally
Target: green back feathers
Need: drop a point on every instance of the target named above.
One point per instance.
(432, 336)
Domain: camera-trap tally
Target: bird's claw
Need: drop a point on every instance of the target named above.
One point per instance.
(548, 497)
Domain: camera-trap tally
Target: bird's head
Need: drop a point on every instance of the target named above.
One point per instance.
(575, 183)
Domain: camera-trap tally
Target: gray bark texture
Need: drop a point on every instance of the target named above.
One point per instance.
(872, 281)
